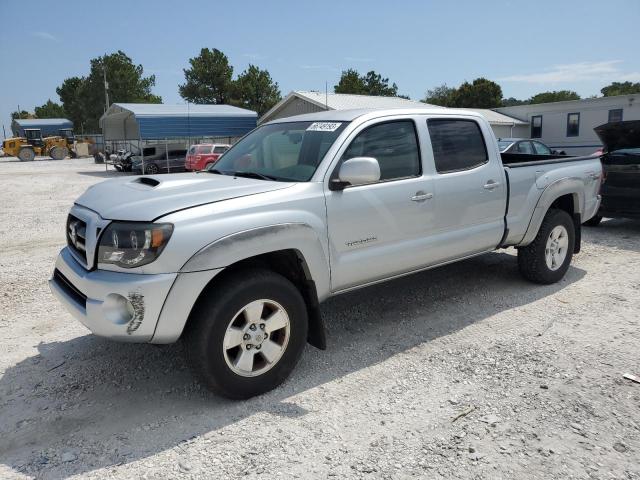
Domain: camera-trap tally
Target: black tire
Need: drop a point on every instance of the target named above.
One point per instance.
(58, 153)
(216, 308)
(151, 169)
(593, 221)
(531, 259)
(26, 154)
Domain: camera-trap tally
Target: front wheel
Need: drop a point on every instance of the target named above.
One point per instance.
(151, 169)
(547, 258)
(58, 153)
(246, 334)
(26, 154)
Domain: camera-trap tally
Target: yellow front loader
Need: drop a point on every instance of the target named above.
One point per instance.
(26, 148)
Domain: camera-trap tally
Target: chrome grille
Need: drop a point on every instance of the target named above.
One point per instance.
(77, 237)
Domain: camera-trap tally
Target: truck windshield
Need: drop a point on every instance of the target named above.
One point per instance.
(282, 151)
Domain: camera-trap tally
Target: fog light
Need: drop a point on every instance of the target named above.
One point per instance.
(118, 309)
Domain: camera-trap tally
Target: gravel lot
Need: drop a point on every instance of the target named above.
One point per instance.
(536, 369)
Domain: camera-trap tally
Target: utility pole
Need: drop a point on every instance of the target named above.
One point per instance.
(326, 95)
(106, 85)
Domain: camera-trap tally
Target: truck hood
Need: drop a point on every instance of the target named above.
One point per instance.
(617, 135)
(149, 197)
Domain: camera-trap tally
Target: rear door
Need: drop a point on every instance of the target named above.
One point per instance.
(469, 188)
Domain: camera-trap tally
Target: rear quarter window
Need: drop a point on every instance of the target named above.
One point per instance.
(457, 144)
(203, 149)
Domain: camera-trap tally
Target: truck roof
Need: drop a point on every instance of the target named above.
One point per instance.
(349, 115)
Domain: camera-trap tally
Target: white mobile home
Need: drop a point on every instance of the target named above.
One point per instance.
(569, 125)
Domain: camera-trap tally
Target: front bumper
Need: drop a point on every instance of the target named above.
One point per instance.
(120, 306)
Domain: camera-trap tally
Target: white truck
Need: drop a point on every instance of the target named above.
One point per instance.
(236, 259)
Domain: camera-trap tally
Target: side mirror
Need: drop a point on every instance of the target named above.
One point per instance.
(356, 171)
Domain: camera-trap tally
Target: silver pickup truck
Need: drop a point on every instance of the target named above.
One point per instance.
(235, 260)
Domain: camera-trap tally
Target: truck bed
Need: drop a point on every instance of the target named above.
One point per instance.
(515, 160)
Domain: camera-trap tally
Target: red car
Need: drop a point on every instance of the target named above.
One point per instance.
(201, 156)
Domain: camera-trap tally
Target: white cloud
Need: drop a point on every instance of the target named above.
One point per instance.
(575, 72)
(45, 36)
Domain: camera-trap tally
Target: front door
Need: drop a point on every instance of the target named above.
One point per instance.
(376, 230)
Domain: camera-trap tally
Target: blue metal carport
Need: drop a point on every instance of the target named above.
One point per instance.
(147, 121)
(48, 126)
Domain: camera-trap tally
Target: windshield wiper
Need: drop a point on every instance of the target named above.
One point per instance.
(260, 176)
(216, 171)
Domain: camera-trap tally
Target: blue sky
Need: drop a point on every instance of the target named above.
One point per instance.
(526, 46)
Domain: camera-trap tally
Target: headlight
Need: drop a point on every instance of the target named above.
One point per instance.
(133, 244)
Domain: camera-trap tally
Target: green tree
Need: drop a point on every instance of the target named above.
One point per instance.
(512, 101)
(350, 82)
(255, 90)
(372, 83)
(84, 98)
(375, 85)
(481, 93)
(209, 78)
(50, 110)
(620, 88)
(554, 96)
(69, 93)
(22, 114)
(440, 95)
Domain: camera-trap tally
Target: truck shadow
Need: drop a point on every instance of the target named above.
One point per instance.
(96, 403)
(620, 233)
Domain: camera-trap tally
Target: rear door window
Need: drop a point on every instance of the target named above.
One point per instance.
(541, 149)
(525, 147)
(220, 149)
(458, 144)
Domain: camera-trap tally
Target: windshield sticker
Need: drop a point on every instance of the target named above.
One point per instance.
(324, 127)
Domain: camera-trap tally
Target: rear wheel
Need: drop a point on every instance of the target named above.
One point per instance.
(547, 258)
(26, 154)
(246, 335)
(593, 221)
(58, 153)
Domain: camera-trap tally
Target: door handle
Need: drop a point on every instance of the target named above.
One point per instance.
(421, 196)
(491, 184)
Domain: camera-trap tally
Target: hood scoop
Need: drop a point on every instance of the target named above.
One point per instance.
(151, 182)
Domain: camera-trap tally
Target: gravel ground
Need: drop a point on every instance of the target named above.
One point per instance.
(534, 373)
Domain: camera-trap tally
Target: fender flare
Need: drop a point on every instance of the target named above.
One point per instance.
(241, 245)
(212, 259)
(565, 186)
